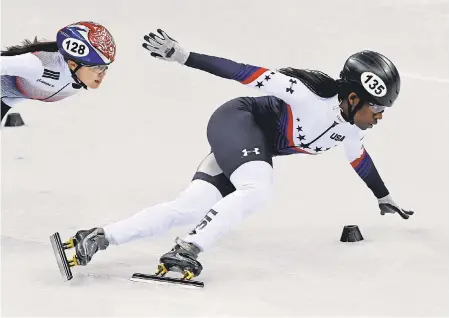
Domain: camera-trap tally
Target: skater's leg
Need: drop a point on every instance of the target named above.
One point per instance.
(243, 154)
(254, 184)
(208, 186)
(189, 207)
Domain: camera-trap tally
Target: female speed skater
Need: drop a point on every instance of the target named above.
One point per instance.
(51, 71)
(304, 112)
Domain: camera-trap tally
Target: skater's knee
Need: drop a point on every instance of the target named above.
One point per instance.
(256, 194)
(254, 174)
(254, 182)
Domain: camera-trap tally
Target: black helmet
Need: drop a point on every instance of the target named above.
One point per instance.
(375, 75)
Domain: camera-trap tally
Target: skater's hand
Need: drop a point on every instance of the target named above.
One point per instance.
(164, 47)
(387, 205)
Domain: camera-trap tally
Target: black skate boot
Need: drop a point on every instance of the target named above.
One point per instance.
(182, 258)
(87, 243)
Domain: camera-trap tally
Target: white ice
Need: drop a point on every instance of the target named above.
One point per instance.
(103, 155)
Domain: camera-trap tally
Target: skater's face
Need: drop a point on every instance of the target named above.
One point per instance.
(92, 76)
(368, 115)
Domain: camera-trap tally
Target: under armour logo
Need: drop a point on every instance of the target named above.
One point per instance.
(246, 152)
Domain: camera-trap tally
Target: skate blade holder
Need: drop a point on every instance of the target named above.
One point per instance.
(59, 248)
(159, 277)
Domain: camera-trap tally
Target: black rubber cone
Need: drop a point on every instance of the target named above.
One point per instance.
(14, 120)
(351, 233)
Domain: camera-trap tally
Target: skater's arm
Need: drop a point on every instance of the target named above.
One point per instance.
(265, 80)
(270, 82)
(363, 164)
(218, 66)
(25, 65)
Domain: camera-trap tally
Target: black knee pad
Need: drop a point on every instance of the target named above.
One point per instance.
(209, 171)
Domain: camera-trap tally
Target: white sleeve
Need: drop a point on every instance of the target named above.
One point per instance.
(353, 145)
(26, 66)
(270, 82)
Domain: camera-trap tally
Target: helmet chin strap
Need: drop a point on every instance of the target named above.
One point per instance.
(352, 110)
(78, 84)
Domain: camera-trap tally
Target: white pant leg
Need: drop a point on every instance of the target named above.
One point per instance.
(254, 187)
(191, 205)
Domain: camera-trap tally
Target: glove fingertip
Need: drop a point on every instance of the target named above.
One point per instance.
(155, 55)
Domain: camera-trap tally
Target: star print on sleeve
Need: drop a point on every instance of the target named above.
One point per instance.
(290, 89)
(265, 79)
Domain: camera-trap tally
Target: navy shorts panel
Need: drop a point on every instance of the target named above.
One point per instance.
(235, 137)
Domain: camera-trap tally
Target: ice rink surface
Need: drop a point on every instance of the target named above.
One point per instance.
(104, 155)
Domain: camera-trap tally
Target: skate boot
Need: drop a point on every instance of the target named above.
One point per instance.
(182, 259)
(87, 243)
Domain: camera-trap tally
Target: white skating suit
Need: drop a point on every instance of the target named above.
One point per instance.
(307, 123)
(43, 76)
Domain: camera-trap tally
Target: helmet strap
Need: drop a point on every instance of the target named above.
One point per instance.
(352, 110)
(75, 77)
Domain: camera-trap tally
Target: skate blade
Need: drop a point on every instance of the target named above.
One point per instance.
(148, 278)
(61, 258)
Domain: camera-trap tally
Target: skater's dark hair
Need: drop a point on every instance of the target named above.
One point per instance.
(28, 46)
(320, 83)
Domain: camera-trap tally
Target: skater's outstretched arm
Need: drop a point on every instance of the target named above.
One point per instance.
(25, 65)
(271, 82)
(364, 166)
